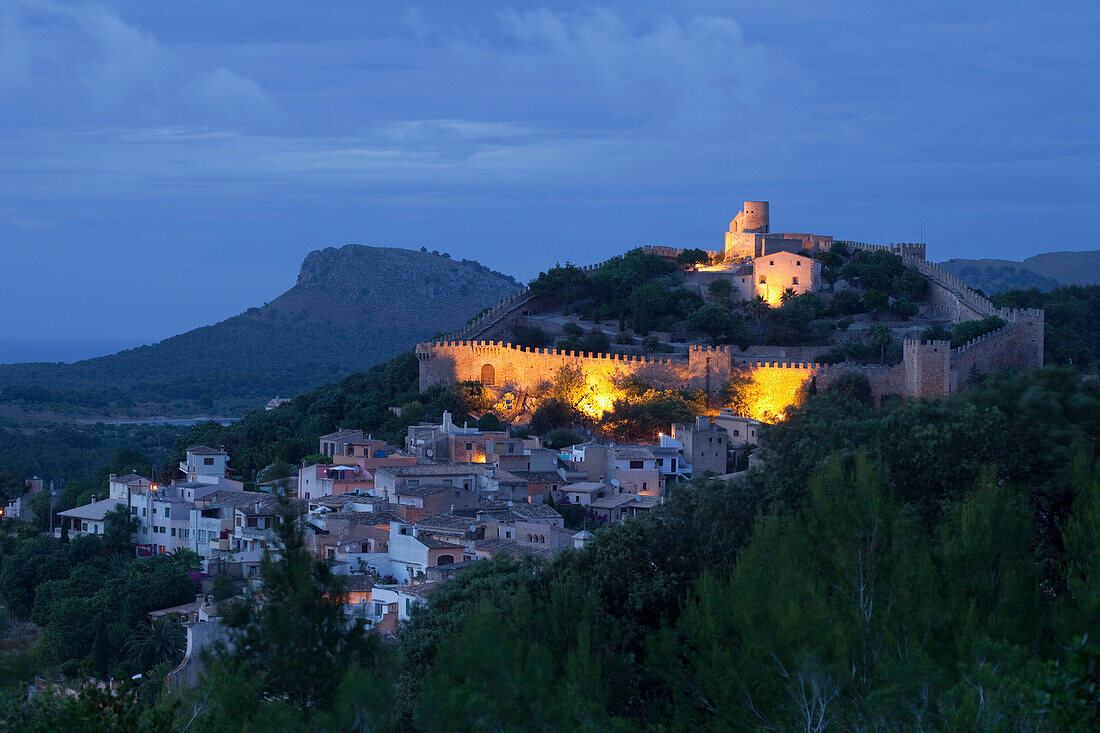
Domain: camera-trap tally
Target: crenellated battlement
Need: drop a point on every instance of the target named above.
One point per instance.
(915, 250)
(485, 347)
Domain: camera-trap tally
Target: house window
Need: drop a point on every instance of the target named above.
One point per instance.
(763, 279)
(637, 464)
(413, 482)
(143, 511)
(173, 531)
(168, 511)
(660, 461)
(251, 522)
(794, 281)
(469, 446)
(736, 433)
(133, 510)
(798, 262)
(83, 526)
(208, 461)
(202, 535)
(771, 262)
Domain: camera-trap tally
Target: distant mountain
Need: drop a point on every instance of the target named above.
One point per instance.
(1068, 268)
(1044, 271)
(351, 307)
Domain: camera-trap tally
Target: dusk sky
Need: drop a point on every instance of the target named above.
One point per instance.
(168, 164)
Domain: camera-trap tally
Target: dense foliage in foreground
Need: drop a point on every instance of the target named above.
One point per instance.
(927, 565)
(79, 608)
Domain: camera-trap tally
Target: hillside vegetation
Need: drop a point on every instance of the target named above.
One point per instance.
(351, 307)
(638, 293)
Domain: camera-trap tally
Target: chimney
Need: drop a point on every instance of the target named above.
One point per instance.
(93, 499)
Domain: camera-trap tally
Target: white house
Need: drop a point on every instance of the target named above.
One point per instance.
(204, 461)
(90, 518)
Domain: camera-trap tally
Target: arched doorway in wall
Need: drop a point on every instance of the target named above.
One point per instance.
(488, 375)
(444, 560)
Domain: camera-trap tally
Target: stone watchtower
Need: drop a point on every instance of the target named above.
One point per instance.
(753, 219)
(927, 368)
(747, 230)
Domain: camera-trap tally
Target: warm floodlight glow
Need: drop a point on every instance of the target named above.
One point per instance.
(772, 391)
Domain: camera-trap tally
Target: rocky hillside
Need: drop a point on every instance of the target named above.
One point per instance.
(351, 307)
(1044, 271)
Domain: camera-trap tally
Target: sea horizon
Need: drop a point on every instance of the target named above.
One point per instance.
(53, 350)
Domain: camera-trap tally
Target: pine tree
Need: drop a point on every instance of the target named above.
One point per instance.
(298, 640)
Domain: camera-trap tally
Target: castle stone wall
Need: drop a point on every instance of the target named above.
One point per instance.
(529, 370)
(927, 368)
(1019, 345)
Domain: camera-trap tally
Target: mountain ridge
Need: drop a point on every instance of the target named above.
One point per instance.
(1045, 271)
(349, 308)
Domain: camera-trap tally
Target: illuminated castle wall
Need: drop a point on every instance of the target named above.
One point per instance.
(928, 368)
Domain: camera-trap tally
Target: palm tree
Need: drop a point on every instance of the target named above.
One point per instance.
(159, 640)
(185, 559)
(758, 308)
(880, 336)
(787, 294)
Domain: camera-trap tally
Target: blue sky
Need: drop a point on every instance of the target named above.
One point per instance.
(165, 165)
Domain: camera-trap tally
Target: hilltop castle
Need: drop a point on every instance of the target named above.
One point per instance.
(756, 262)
